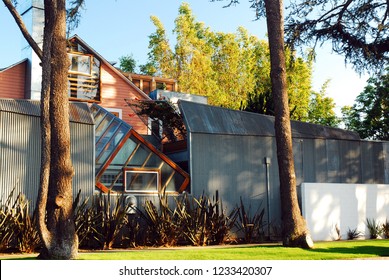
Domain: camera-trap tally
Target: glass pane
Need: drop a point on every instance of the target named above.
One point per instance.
(101, 129)
(102, 142)
(125, 152)
(141, 181)
(80, 64)
(112, 143)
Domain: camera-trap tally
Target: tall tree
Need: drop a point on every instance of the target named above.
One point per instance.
(321, 108)
(193, 54)
(357, 29)
(369, 116)
(54, 203)
(160, 57)
(232, 69)
(295, 232)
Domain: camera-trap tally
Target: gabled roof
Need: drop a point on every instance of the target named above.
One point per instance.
(78, 112)
(109, 65)
(201, 118)
(13, 65)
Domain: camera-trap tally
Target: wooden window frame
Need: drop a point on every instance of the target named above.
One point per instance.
(139, 171)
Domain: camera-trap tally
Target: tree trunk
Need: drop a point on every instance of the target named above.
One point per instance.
(55, 198)
(294, 230)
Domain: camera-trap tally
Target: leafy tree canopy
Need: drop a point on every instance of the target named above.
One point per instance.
(127, 63)
(357, 29)
(369, 116)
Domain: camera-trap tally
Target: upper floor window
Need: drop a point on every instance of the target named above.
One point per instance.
(83, 74)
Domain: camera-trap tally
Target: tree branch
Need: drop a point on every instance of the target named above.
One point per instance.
(23, 28)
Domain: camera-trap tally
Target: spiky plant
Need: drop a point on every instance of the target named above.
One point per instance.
(374, 228)
(250, 224)
(353, 234)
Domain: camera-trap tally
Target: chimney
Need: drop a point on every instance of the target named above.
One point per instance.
(32, 12)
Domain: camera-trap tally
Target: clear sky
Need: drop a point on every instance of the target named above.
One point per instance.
(121, 27)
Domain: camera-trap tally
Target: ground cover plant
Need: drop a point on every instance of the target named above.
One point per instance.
(183, 225)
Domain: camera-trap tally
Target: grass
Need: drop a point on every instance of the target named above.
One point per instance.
(335, 250)
(322, 251)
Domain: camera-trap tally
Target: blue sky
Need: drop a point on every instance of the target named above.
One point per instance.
(122, 27)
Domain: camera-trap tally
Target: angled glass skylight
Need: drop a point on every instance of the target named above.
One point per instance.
(126, 162)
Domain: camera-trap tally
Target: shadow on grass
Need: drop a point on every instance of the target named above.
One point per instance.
(371, 250)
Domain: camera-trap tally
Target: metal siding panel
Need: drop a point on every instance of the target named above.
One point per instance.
(378, 162)
(78, 112)
(309, 166)
(319, 152)
(350, 168)
(367, 162)
(20, 156)
(235, 166)
(386, 160)
(19, 162)
(333, 161)
(83, 157)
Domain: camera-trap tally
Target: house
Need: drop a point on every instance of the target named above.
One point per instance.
(228, 151)
(234, 153)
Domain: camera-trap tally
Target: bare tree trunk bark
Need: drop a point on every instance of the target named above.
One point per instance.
(55, 197)
(59, 237)
(295, 232)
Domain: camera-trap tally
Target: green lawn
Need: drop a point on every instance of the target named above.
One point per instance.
(335, 250)
(322, 251)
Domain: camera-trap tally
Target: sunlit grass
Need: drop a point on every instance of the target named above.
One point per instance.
(335, 250)
(322, 251)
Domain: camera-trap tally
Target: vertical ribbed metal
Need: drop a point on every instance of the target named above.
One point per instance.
(20, 156)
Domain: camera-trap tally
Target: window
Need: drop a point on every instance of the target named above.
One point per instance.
(141, 180)
(80, 64)
(83, 74)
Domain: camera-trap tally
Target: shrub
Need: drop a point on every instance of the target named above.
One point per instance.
(353, 234)
(385, 229)
(374, 228)
(98, 225)
(160, 227)
(203, 221)
(251, 226)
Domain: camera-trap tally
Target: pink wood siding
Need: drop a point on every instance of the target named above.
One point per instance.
(113, 92)
(12, 81)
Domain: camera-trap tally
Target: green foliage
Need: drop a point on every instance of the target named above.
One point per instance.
(161, 228)
(374, 228)
(353, 234)
(250, 225)
(163, 111)
(231, 69)
(385, 229)
(127, 63)
(102, 222)
(99, 224)
(356, 29)
(17, 228)
(203, 221)
(321, 109)
(369, 116)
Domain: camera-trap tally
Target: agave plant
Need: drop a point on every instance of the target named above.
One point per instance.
(8, 227)
(250, 224)
(26, 225)
(385, 229)
(374, 228)
(353, 234)
(203, 221)
(161, 229)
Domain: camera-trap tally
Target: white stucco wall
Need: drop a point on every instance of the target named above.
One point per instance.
(346, 206)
